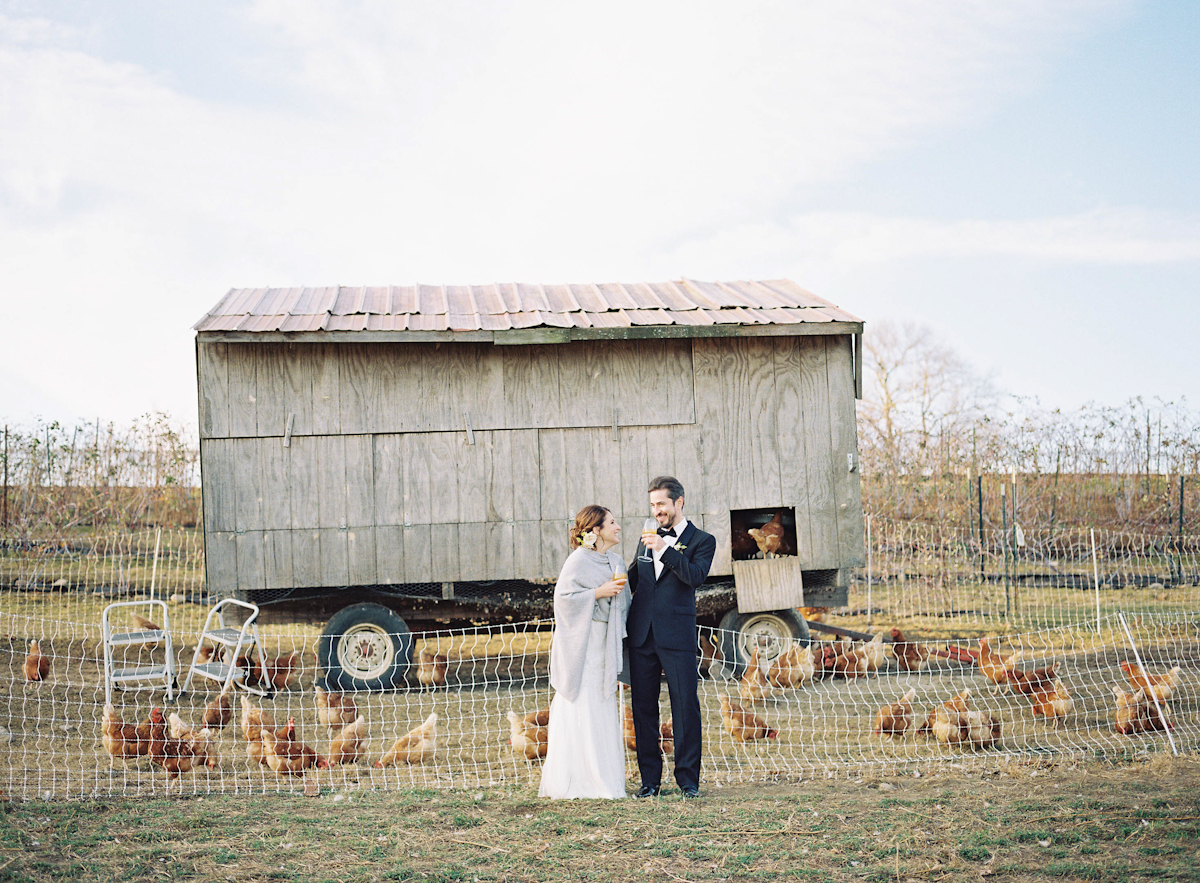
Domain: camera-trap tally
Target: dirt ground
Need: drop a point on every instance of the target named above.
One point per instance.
(1020, 821)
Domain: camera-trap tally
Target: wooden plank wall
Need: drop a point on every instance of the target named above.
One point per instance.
(746, 423)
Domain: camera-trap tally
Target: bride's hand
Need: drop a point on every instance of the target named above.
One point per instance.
(610, 589)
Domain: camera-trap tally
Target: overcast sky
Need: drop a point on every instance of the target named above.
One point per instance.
(1020, 176)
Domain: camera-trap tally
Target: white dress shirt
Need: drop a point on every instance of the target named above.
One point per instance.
(670, 539)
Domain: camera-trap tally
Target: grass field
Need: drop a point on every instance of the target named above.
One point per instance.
(1020, 821)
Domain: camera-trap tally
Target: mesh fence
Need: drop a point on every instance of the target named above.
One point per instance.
(487, 685)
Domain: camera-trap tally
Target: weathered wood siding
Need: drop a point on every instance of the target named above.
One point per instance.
(379, 481)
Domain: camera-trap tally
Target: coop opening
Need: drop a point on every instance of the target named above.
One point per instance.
(763, 533)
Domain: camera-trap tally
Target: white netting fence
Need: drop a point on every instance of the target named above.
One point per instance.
(52, 741)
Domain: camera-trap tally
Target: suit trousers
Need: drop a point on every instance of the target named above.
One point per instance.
(646, 664)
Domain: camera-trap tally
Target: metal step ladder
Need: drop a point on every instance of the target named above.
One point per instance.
(156, 673)
(228, 639)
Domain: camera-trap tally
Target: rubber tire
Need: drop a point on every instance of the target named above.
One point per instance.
(376, 623)
(739, 629)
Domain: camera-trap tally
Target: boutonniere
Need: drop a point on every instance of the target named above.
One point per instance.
(680, 547)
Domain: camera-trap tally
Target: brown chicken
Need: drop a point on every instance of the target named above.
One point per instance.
(350, 742)
(173, 755)
(710, 655)
(995, 668)
(948, 726)
(415, 746)
(744, 725)
(37, 664)
(1052, 700)
(771, 538)
(792, 668)
(742, 545)
(1129, 711)
(768, 544)
(1161, 687)
(335, 710)
(199, 744)
(432, 668)
(121, 739)
(254, 719)
(288, 756)
(893, 719)
(219, 712)
(666, 733)
(528, 739)
(146, 625)
(754, 685)
(1030, 682)
(814, 614)
(910, 655)
(958, 704)
(875, 652)
(850, 663)
(279, 670)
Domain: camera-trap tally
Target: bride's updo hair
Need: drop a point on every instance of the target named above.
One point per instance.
(588, 518)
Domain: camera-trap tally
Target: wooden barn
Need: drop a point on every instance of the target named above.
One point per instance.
(383, 437)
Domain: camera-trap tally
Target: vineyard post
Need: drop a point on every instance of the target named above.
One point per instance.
(1096, 579)
(154, 568)
(868, 573)
(4, 515)
(1004, 539)
(982, 558)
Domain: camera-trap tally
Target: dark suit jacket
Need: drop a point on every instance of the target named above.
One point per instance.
(669, 603)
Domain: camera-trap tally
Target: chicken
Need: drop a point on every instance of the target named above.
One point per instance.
(278, 672)
(287, 755)
(1129, 711)
(173, 755)
(893, 719)
(350, 742)
(530, 739)
(539, 718)
(335, 710)
(1030, 682)
(995, 668)
(219, 712)
(825, 656)
(146, 625)
(1161, 687)
(1052, 700)
(741, 545)
(121, 739)
(850, 663)
(252, 668)
(983, 729)
(254, 719)
(431, 668)
(949, 727)
(792, 668)
(710, 656)
(814, 614)
(37, 664)
(416, 746)
(199, 744)
(666, 733)
(910, 655)
(206, 654)
(771, 538)
(754, 686)
(958, 704)
(744, 725)
(874, 652)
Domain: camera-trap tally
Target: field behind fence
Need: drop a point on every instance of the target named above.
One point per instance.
(1059, 597)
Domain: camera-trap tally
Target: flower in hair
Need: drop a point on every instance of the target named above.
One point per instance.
(588, 540)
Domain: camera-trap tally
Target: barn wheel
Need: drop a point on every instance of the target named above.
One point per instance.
(770, 632)
(365, 647)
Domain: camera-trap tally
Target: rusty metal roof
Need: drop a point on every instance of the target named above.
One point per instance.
(510, 306)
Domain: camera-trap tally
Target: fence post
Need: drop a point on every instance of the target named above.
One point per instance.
(868, 573)
(1004, 540)
(4, 516)
(982, 555)
(1145, 676)
(1096, 579)
(154, 567)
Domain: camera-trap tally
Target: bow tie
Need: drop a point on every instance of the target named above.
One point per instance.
(666, 531)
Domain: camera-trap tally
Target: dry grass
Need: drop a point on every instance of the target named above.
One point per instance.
(1019, 822)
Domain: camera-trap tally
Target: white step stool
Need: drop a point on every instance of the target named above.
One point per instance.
(161, 673)
(235, 638)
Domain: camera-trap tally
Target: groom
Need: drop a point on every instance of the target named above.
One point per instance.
(662, 637)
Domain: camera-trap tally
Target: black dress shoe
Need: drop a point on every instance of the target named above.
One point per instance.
(691, 793)
(647, 791)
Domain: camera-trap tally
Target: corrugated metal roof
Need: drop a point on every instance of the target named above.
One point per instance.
(506, 306)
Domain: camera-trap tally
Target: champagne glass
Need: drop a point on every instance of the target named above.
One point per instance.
(649, 529)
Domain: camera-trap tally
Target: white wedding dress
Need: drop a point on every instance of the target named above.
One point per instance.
(585, 754)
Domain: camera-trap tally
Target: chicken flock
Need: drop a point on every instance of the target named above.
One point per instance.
(178, 747)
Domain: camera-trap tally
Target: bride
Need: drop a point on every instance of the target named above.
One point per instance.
(585, 756)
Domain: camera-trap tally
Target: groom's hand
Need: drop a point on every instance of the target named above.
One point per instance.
(655, 542)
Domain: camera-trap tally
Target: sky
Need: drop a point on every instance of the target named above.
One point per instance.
(1021, 177)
